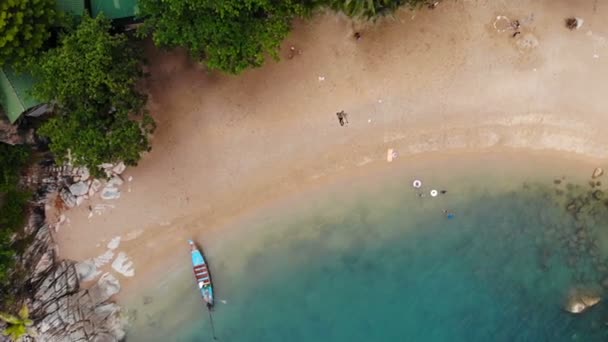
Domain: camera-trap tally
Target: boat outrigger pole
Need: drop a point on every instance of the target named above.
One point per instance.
(211, 321)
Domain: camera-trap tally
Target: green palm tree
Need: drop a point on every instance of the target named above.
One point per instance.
(19, 325)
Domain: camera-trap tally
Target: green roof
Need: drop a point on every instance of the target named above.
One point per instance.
(14, 97)
(114, 9)
(75, 7)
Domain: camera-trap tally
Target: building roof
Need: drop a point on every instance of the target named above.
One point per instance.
(14, 93)
(114, 9)
(75, 7)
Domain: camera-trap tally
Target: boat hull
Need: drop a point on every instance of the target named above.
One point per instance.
(202, 274)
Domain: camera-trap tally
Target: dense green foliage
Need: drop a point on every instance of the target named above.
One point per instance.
(18, 325)
(13, 203)
(230, 35)
(91, 77)
(24, 27)
(370, 9)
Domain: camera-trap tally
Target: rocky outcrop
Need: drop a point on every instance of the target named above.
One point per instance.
(62, 310)
(581, 302)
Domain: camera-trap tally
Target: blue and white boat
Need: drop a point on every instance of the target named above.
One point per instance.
(201, 274)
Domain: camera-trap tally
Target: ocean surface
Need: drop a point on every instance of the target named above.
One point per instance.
(369, 259)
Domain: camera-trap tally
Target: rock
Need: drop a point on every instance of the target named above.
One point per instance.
(86, 270)
(598, 172)
(123, 265)
(79, 189)
(106, 287)
(79, 200)
(68, 198)
(579, 301)
(110, 192)
(119, 168)
(84, 173)
(95, 186)
(598, 195)
(106, 166)
(149, 300)
(114, 243)
(104, 258)
(115, 181)
(557, 181)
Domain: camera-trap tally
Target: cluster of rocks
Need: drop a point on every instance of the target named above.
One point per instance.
(579, 238)
(61, 308)
(76, 184)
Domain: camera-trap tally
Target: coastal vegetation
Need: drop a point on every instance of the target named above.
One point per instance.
(371, 9)
(24, 28)
(229, 35)
(13, 203)
(18, 325)
(234, 35)
(92, 77)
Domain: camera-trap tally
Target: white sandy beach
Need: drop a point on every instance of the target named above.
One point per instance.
(434, 80)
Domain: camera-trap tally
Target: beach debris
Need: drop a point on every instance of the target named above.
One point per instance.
(574, 23)
(321, 78)
(148, 300)
(598, 172)
(114, 243)
(130, 179)
(110, 192)
(132, 235)
(104, 259)
(391, 155)
(106, 287)
(123, 265)
(369, 120)
(86, 270)
(417, 183)
(357, 35)
(527, 42)
(579, 301)
(433, 5)
(434, 193)
(293, 51)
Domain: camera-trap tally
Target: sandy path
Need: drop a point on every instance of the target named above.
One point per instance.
(426, 81)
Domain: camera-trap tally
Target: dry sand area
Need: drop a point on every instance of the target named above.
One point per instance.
(447, 79)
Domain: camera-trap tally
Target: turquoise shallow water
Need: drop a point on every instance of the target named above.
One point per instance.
(379, 263)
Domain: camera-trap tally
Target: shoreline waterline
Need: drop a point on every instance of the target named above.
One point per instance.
(472, 175)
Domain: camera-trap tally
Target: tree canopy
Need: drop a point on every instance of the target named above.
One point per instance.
(370, 9)
(229, 35)
(91, 78)
(24, 27)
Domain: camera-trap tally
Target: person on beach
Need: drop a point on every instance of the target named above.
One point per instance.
(341, 117)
